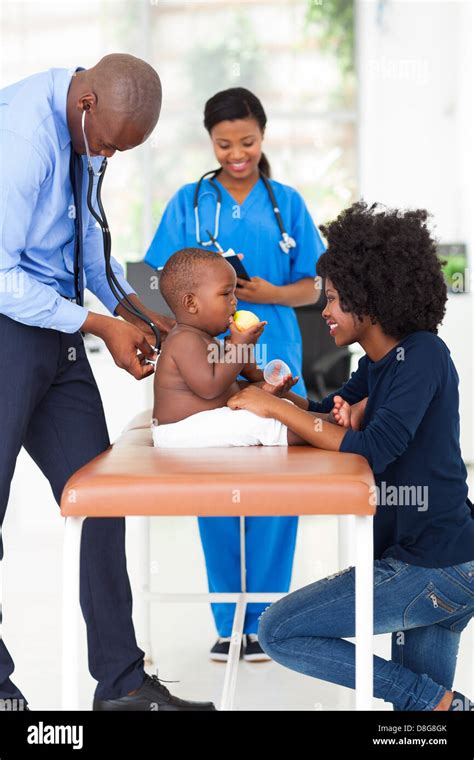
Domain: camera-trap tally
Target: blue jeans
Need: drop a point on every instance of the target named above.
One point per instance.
(425, 610)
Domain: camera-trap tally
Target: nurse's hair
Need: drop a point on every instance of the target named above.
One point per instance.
(184, 272)
(384, 265)
(237, 103)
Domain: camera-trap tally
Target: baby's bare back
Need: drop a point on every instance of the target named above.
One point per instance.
(174, 399)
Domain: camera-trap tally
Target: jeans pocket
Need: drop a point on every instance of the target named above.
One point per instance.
(429, 607)
(466, 572)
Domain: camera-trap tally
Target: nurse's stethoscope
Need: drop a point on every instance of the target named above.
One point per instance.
(101, 220)
(286, 241)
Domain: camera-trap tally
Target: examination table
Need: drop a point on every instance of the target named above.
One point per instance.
(133, 478)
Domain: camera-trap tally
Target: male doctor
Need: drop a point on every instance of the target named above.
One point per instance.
(49, 400)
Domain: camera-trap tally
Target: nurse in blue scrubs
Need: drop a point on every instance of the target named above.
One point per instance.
(282, 277)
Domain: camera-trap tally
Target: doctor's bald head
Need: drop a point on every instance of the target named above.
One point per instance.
(121, 97)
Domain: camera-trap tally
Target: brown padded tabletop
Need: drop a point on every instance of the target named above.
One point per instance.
(133, 477)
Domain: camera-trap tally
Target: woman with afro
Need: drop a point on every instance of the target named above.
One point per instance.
(399, 409)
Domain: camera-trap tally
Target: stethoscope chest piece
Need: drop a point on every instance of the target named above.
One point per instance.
(287, 242)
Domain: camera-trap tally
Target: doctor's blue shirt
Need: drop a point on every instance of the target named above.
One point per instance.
(37, 210)
(250, 228)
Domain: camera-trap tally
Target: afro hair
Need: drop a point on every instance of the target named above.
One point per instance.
(383, 263)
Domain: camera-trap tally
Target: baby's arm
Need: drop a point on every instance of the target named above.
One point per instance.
(206, 378)
(250, 371)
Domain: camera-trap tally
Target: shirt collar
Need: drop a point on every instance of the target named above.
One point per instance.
(61, 81)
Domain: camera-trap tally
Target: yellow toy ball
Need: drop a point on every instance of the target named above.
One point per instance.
(245, 319)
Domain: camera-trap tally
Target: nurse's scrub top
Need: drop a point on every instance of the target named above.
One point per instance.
(252, 229)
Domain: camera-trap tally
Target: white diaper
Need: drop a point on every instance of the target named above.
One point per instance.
(221, 427)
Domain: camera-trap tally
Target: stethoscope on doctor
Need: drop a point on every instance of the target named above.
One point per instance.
(286, 241)
(101, 220)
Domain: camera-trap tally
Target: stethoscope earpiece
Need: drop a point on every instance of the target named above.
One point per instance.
(90, 168)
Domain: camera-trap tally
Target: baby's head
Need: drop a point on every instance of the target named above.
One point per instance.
(381, 269)
(199, 287)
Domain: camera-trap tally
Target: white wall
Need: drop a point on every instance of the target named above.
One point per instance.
(415, 125)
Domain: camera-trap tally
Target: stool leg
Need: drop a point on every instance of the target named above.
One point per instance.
(230, 680)
(71, 612)
(243, 559)
(364, 603)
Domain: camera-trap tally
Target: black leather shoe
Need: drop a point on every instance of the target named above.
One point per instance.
(151, 696)
(460, 702)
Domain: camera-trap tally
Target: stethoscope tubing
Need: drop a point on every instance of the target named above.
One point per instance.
(114, 284)
(285, 243)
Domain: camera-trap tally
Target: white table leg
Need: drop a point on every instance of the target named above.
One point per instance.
(364, 603)
(345, 536)
(71, 612)
(230, 680)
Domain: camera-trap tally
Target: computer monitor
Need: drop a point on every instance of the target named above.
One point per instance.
(145, 280)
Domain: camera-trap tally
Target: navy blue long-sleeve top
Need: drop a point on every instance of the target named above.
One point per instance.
(410, 437)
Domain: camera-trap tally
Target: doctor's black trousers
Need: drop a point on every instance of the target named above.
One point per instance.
(50, 405)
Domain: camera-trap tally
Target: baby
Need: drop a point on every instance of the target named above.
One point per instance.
(196, 374)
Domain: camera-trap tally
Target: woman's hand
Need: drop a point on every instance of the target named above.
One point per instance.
(254, 400)
(257, 290)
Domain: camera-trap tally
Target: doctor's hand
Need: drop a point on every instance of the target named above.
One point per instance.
(257, 290)
(164, 324)
(123, 341)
